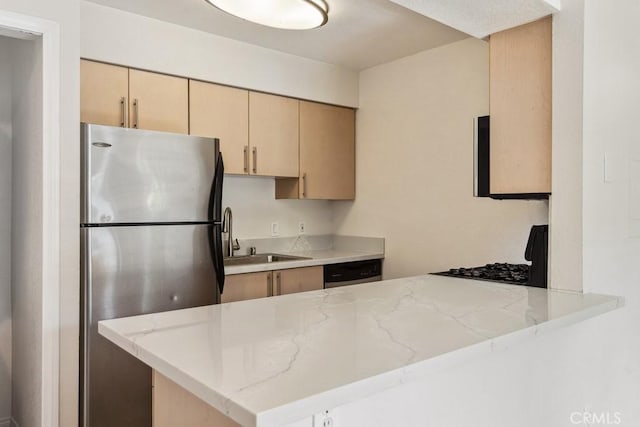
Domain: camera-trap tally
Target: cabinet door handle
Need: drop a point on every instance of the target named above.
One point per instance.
(123, 112)
(269, 285)
(136, 106)
(304, 185)
(278, 284)
(255, 159)
(246, 159)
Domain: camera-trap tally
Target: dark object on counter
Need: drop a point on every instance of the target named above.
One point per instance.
(537, 252)
(352, 273)
(513, 274)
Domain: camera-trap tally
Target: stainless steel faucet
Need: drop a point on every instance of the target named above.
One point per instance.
(227, 227)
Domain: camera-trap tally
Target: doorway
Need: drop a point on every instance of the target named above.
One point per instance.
(29, 259)
(21, 130)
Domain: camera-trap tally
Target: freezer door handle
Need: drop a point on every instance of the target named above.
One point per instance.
(215, 242)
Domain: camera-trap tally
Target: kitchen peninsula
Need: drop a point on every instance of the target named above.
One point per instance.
(278, 361)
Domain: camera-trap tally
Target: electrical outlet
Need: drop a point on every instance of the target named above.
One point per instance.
(301, 227)
(323, 420)
(275, 229)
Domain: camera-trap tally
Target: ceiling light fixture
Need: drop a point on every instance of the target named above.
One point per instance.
(285, 14)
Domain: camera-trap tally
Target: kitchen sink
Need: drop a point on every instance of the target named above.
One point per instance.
(260, 259)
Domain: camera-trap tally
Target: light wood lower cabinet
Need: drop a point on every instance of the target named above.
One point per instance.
(327, 152)
(298, 280)
(240, 287)
(174, 406)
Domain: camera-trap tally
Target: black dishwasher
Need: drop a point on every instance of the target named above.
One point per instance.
(351, 273)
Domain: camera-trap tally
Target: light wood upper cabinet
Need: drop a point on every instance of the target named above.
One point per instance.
(273, 135)
(222, 112)
(298, 280)
(520, 107)
(327, 152)
(240, 287)
(104, 90)
(158, 102)
(309, 147)
(119, 96)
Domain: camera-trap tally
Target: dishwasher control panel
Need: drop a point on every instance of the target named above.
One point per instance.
(351, 273)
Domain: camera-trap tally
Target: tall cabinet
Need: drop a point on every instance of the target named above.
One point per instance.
(520, 107)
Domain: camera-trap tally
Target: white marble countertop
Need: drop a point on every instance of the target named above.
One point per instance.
(273, 361)
(313, 258)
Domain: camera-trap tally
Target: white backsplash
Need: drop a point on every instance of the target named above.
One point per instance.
(252, 200)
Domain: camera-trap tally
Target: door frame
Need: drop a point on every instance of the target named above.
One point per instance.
(30, 27)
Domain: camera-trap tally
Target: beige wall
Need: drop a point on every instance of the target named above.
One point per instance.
(26, 260)
(5, 229)
(415, 166)
(255, 208)
(125, 38)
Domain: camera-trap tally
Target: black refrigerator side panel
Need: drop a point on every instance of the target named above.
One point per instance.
(130, 271)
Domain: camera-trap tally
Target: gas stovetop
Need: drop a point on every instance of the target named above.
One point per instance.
(515, 274)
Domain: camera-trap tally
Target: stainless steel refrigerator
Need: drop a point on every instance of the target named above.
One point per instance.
(150, 241)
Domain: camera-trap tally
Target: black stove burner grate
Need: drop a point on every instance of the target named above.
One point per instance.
(498, 272)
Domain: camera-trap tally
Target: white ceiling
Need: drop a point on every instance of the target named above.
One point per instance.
(483, 17)
(359, 34)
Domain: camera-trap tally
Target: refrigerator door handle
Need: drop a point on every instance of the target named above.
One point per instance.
(215, 215)
(215, 241)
